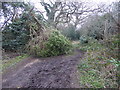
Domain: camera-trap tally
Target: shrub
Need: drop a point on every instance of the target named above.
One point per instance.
(15, 36)
(55, 45)
(84, 39)
(71, 32)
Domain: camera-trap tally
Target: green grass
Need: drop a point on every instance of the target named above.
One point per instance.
(99, 67)
(12, 62)
(90, 79)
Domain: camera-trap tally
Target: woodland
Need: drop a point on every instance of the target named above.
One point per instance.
(60, 44)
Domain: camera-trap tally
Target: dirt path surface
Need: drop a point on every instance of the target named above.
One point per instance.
(53, 72)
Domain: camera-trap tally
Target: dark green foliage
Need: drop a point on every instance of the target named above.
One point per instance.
(71, 33)
(9, 7)
(56, 44)
(84, 39)
(15, 35)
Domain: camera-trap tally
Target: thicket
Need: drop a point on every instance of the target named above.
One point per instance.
(54, 44)
(31, 34)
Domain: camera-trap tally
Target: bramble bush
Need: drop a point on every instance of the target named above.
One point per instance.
(56, 44)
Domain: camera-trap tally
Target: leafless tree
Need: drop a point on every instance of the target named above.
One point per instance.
(67, 12)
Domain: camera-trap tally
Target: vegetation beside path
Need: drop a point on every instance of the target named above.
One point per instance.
(100, 66)
(12, 62)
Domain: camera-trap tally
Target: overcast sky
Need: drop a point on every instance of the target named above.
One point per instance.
(95, 2)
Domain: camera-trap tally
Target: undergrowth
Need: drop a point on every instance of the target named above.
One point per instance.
(100, 65)
(55, 44)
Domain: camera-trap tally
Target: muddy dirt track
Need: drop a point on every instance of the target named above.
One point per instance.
(52, 72)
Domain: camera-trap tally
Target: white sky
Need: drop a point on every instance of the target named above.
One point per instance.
(95, 2)
(92, 3)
